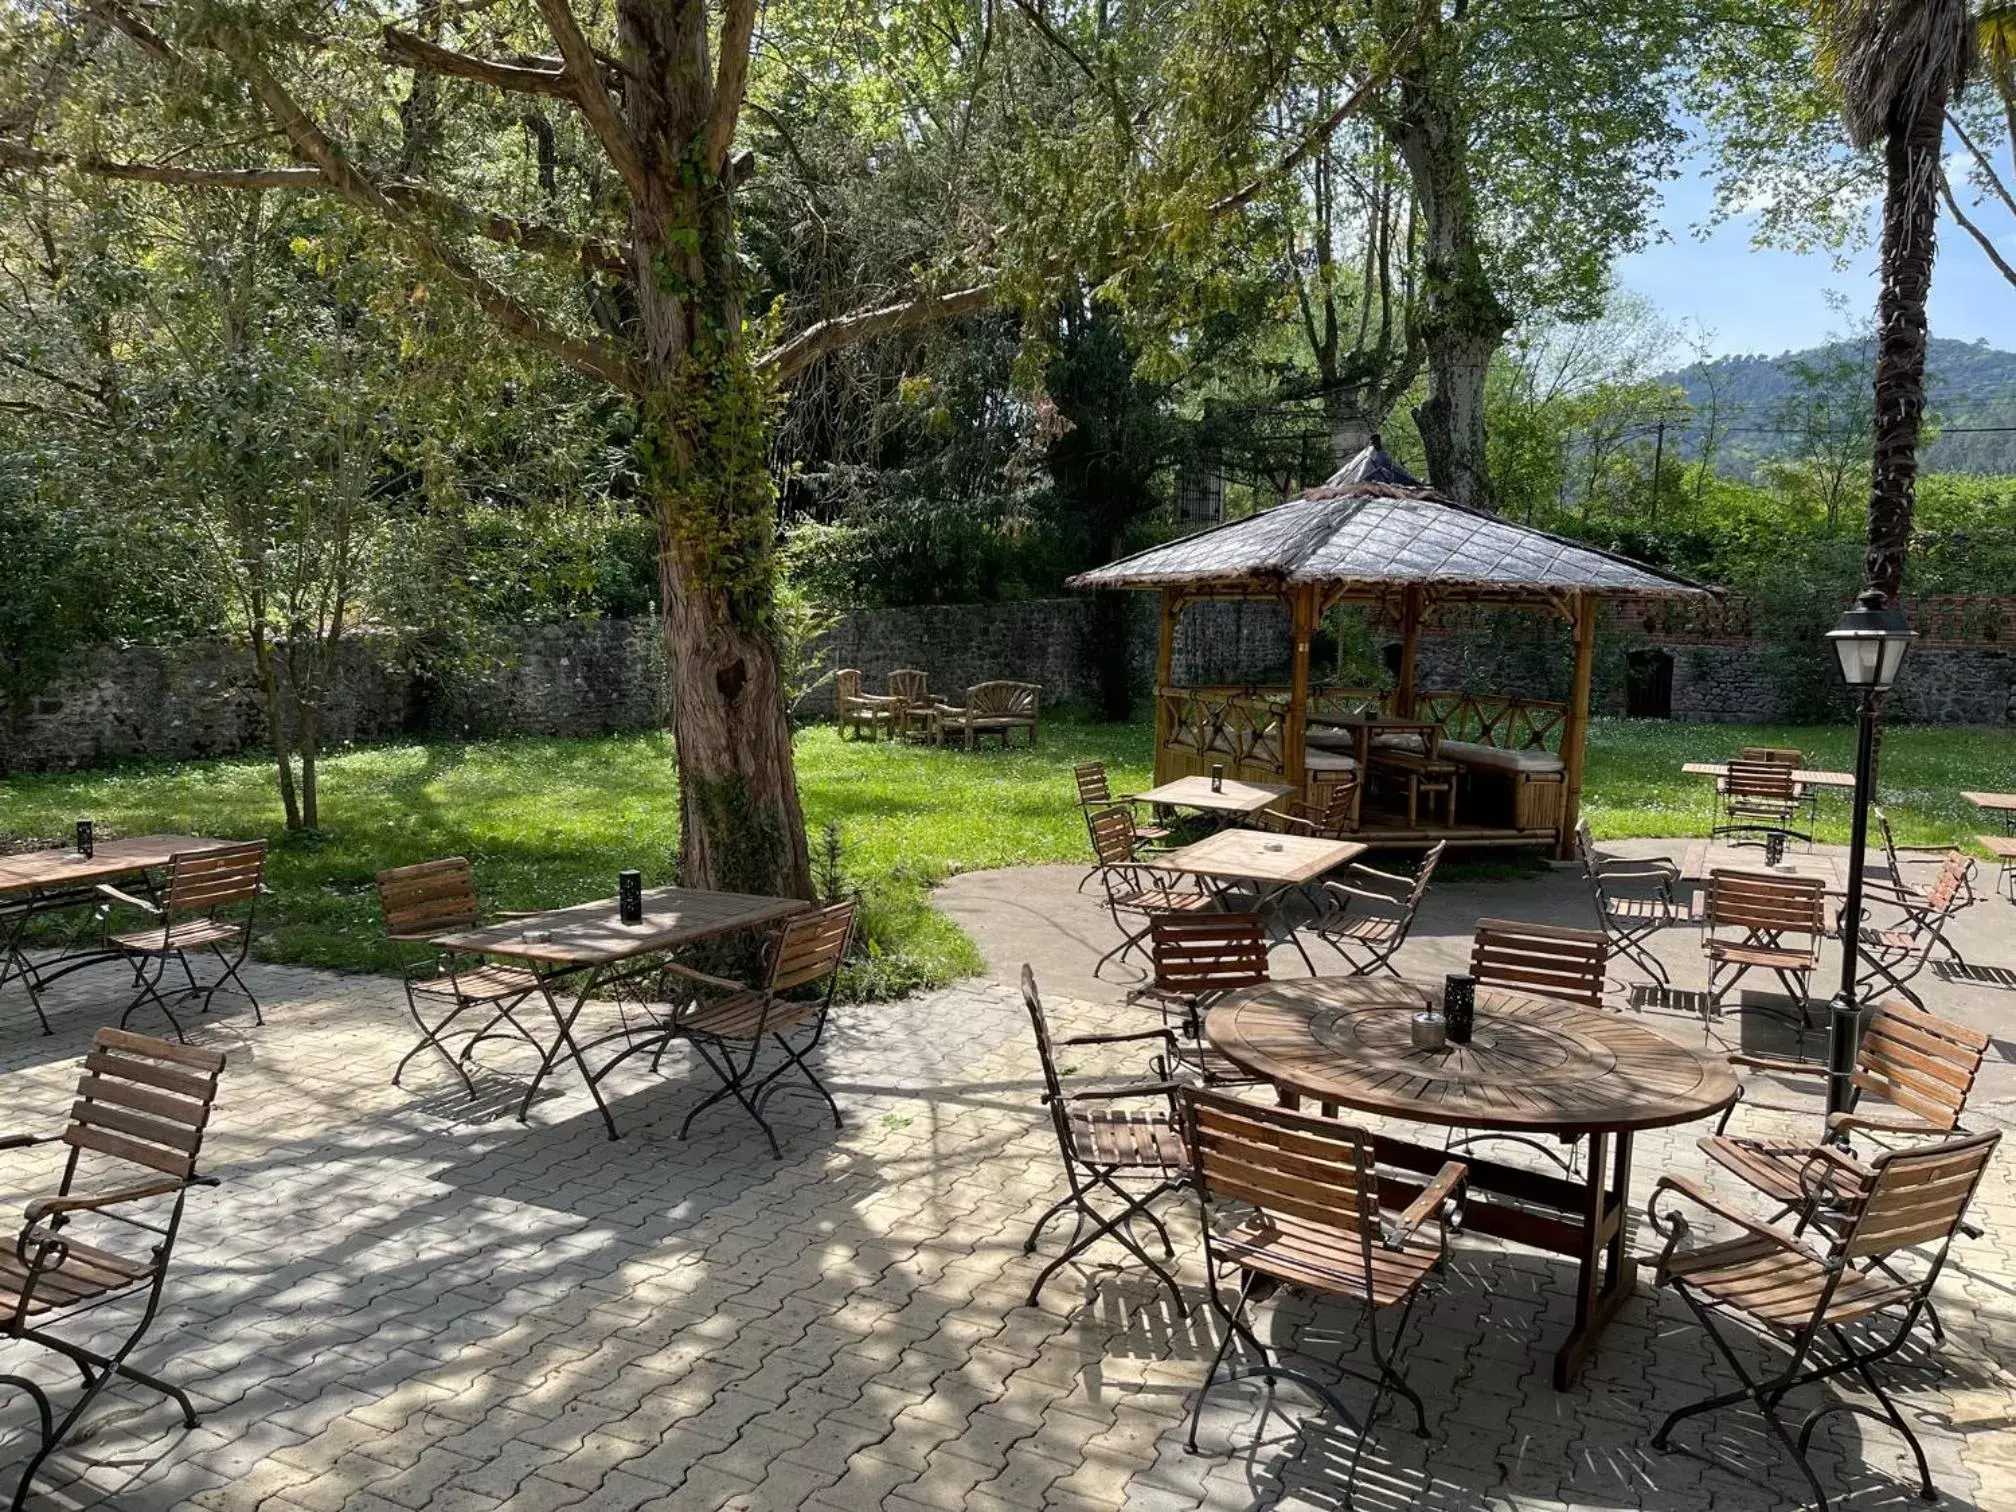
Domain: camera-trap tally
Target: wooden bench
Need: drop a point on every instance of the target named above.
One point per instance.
(1423, 777)
(991, 708)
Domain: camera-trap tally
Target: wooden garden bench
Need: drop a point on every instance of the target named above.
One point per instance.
(991, 708)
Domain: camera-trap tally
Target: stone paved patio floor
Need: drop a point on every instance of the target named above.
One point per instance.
(399, 1299)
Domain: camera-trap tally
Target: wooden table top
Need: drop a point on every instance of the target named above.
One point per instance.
(1705, 856)
(110, 859)
(1801, 776)
(2001, 847)
(593, 934)
(2000, 803)
(1533, 1064)
(1242, 855)
(1195, 792)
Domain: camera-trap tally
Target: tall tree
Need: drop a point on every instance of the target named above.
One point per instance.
(1898, 64)
(623, 263)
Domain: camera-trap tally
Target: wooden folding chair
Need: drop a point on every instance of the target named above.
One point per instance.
(205, 888)
(1198, 959)
(1893, 956)
(1289, 1199)
(1546, 960)
(1095, 793)
(727, 1023)
(1806, 1296)
(1369, 934)
(420, 903)
(1105, 1147)
(1792, 759)
(1777, 923)
(134, 1135)
(1759, 797)
(1131, 887)
(1332, 819)
(1634, 900)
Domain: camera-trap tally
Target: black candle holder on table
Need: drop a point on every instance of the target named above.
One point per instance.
(630, 896)
(85, 838)
(1459, 1006)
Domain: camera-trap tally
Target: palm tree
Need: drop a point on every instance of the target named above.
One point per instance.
(1897, 64)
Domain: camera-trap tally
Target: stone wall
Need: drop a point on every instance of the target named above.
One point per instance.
(121, 703)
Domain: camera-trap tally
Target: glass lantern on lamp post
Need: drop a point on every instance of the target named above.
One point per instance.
(1871, 640)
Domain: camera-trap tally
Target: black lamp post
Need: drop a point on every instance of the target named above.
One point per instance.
(1871, 641)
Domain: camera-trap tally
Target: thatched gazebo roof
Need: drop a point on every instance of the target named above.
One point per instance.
(1376, 525)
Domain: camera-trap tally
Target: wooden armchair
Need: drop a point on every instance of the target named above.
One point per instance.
(420, 903)
(1293, 1200)
(1763, 922)
(141, 1110)
(1132, 889)
(991, 708)
(857, 711)
(209, 904)
(1634, 900)
(1758, 797)
(1803, 1295)
(911, 702)
(1368, 918)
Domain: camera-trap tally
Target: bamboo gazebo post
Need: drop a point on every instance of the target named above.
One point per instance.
(1302, 617)
(1413, 598)
(1575, 736)
(1165, 671)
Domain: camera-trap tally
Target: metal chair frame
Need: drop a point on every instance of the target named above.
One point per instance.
(19, 910)
(1090, 1173)
(1909, 1199)
(1628, 918)
(1095, 793)
(1757, 798)
(145, 1103)
(728, 1032)
(1896, 956)
(433, 898)
(1367, 940)
(1132, 886)
(1766, 908)
(1306, 1196)
(1198, 959)
(200, 885)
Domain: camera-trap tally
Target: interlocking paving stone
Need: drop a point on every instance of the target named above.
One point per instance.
(400, 1299)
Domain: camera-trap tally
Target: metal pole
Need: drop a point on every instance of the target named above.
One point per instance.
(1845, 1025)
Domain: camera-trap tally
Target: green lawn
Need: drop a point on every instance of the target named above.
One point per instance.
(552, 821)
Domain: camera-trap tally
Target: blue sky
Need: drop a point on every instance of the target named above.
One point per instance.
(1771, 302)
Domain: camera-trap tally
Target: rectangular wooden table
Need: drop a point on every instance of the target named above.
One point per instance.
(591, 939)
(1840, 782)
(1232, 799)
(1705, 856)
(2003, 804)
(1272, 866)
(37, 882)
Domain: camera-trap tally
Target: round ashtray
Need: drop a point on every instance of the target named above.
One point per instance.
(535, 936)
(1274, 845)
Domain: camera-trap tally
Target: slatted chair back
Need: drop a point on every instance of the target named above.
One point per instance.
(1112, 832)
(847, 684)
(1423, 875)
(1093, 790)
(1544, 959)
(910, 685)
(1016, 700)
(1046, 1053)
(810, 946)
(1918, 1196)
(1334, 813)
(1950, 886)
(1197, 954)
(428, 899)
(1288, 1165)
(145, 1101)
(1768, 782)
(1766, 905)
(201, 882)
(1775, 755)
(1921, 1063)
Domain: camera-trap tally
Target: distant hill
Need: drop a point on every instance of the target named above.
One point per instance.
(1967, 384)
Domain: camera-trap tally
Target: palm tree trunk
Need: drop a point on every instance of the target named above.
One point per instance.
(1910, 212)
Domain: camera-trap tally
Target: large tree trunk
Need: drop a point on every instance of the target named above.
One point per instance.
(1910, 212)
(701, 450)
(1460, 319)
(276, 722)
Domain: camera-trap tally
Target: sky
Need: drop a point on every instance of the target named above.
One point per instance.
(1751, 301)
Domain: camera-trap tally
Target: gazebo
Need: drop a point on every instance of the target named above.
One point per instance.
(1472, 768)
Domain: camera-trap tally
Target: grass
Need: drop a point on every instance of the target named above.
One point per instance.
(552, 821)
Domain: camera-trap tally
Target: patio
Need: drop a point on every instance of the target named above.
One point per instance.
(394, 1299)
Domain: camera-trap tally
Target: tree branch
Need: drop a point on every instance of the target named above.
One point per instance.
(18, 155)
(584, 74)
(410, 51)
(1960, 219)
(2001, 190)
(731, 80)
(149, 40)
(1315, 139)
(787, 360)
(509, 231)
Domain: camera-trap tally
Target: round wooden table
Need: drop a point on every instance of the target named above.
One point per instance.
(1534, 1067)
